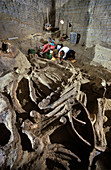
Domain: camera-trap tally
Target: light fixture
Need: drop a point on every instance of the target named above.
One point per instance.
(62, 21)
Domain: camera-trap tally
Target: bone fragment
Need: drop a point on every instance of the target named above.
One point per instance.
(32, 92)
(15, 101)
(76, 113)
(62, 112)
(63, 120)
(50, 76)
(35, 114)
(79, 121)
(66, 151)
(80, 137)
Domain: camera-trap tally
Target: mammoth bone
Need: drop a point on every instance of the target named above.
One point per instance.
(53, 122)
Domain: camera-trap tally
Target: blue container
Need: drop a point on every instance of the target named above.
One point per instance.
(73, 37)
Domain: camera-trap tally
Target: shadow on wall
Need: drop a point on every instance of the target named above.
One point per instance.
(52, 14)
(84, 34)
(76, 18)
(49, 20)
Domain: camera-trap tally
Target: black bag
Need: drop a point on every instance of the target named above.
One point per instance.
(4, 47)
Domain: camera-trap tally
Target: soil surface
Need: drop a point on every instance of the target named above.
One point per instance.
(83, 55)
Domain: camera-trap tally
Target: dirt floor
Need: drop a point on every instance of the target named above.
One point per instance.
(83, 58)
(83, 55)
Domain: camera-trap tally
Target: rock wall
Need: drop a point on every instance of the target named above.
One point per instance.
(22, 17)
(90, 18)
(102, 56)
(99, 28)
(74, 13)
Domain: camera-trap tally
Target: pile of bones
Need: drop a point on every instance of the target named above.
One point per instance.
(44, 121)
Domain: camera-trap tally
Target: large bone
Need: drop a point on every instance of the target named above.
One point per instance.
(68, 152)
(56, 110)
(64, 105)
(45, 102)
(15, 101)
(81, 96)
(80, 137)
(60, 149)
(100, 135)
(41, 80)
(59, 101)
(88, 116)
(32, 90)
(67, 89)
(57, 77)
(64, 162)
(50, 76)
(53, 77)
(49, 131)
